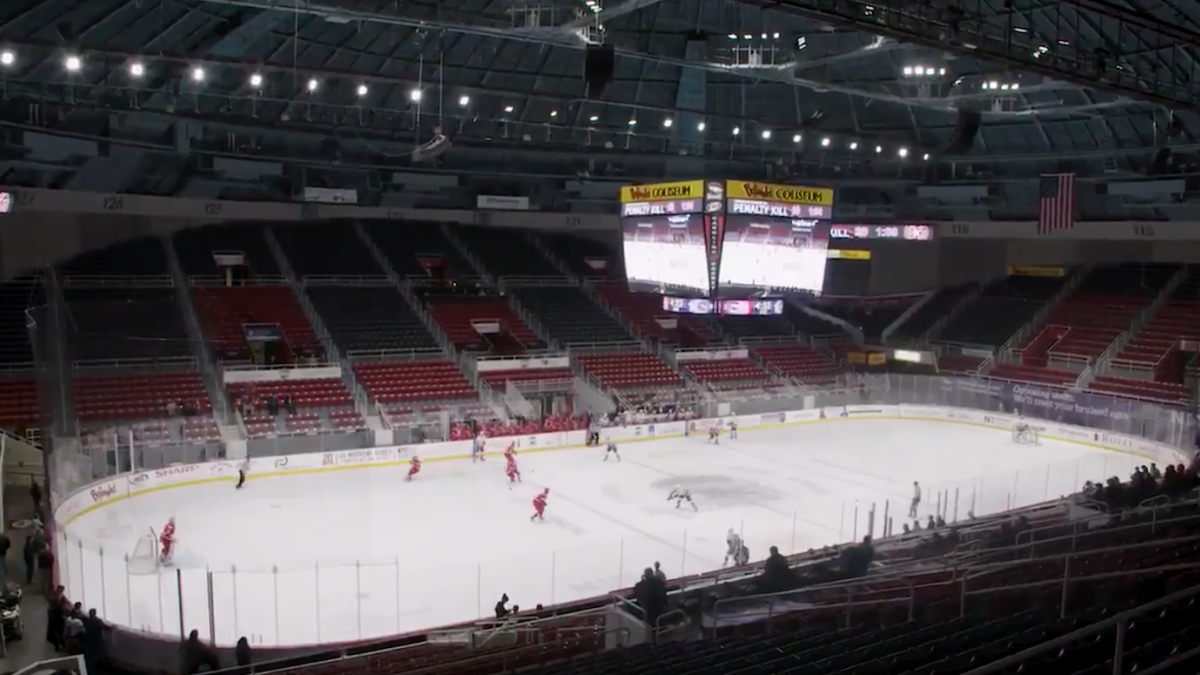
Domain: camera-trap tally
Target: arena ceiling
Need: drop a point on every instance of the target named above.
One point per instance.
(805, 87)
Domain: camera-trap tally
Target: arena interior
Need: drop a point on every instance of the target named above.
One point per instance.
(905, 295)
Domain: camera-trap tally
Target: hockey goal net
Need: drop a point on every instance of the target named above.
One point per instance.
(145, 556)
(1025, 435)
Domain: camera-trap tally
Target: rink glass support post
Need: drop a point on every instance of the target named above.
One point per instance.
(793, 533)
(275, 581)
(128, 591)
(233, 579)
(82, 577)
(683, 557)
(317, 593)
(553, 570)
(1015, 491)
(842, 525)
(179, 590)
(479, 589)
(871, 521)
(937, 507)
(887, 519)
(397, 594)
(162, 612)
(103, 585)
(212, 613)
(955, 505)
(358, 595)
(854, 533)
(1046, 491)
(621, 565)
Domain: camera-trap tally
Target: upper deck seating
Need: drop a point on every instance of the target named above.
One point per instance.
(507, 253)
(459, 316)
(569, 316)
(727, 373)
(1178, 319)
(630, 370)
(319, 393)
(126, 397)
(126, 323)
(642, 309)
(920, 321)
(326, 249)
(18, 403)
(737, 327)
(413, 381)
(16, 296)
(1170, 392)
(799, 361)
(369, 318)
(143, 257)
(1099, 311)
(576, 251)
(419, 250)
(1002, 308)
(871, 316)
(223, 311)
(195, 248)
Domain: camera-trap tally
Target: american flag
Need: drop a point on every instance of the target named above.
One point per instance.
(1056, 202)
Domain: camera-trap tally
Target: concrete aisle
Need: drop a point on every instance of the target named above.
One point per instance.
(33, 647)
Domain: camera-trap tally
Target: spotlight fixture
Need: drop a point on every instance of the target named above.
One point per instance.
(701, 126)
(854, 145)
(797, 138)
(136, 69)
(464, 101)
(925, 157)
(73, 64)
(197, 74)
(737, 130)
(553, 114)
(878, 149)
(7, 58)
(903, 152)
(415, 95)
(362, 90)
(825, 142)
(313, 84)
(594, 118)
(256, 80)
(766, 134)
(668, 123)
(632, 122)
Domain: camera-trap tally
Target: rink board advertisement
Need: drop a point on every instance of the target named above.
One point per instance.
(1079, 407)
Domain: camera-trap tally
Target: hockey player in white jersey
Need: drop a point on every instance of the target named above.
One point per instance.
(680, 495)
(732, 429)
(714, 434)
(478, 447)
(612, 450)
(735, 549)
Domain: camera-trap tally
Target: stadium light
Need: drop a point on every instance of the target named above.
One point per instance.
(73, 64)
(464, 101)
(903, 152)
(136, 69)
(854, 145)
(632, 122)
(668, 123)
(701, 126)
(362, 90)
(508, 109)
(7, 58)
(825, 142)
(594, 118)
(766, 134)
(197, 74)
(925, 157)
(553, 114)
(878, 149)
(415, 95)
(313, 84)
(797, 138)
(737, 130)
(256, 80)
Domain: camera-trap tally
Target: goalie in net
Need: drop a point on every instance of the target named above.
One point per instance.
(1024, 433)
(153, 550)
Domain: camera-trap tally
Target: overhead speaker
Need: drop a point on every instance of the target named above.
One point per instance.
(966, 128)
(598, 69)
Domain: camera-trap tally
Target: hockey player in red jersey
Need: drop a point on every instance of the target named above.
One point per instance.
(414, 468)
(510, 468)
(539, 505)
(166, 542)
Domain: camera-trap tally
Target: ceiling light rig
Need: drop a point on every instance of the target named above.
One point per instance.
(203, 73)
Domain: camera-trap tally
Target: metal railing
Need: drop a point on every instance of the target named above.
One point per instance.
(117, 281)
(517, 281)
(372, 281)
(395, 355)
(143, 364)
(217, 280)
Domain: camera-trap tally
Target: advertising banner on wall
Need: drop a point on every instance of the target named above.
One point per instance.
(1081, 408)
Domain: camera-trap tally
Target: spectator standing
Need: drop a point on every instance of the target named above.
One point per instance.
(241, 653)
(35, 493)
(197, 655)
(30, 559)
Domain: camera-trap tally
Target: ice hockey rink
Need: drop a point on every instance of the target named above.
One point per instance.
(352, 555)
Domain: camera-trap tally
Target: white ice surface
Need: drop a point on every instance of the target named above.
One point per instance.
(359, 554)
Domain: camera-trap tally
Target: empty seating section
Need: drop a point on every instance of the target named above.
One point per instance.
(920, 321)
(369, 318)
(727, 373)
(808, 324)
(413, 381)
(1001, 309)
(195, 247)
(497, 379)
(569, 316)
(291, 407)
(1034, 373)
(127, 397)
(738, 327)
(144, 257)
(506, 253)
(1170, 392)
(636, 370)
(223, 311)
(16, 296)
(576, 252)
(1096, 314)
(459, 317)
(871, 316)
(125, 323)
(642, 309)
(18, 403)
(798, 361)
(313, 394)
(419, 250)
(957, 362)
(332, 249)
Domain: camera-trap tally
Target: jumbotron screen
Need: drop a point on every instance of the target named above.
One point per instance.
(664, 238)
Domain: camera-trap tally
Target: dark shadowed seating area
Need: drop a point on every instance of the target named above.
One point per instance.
(369, 318)
(195, 248)
(16, 296)
(506, 253)
(1001, 309)
(924, 317)
(326, 249)
(419, 250)
(585, 256)
(125, 323)
(569, 316)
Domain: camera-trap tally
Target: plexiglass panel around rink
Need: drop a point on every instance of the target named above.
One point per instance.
(351, 568)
